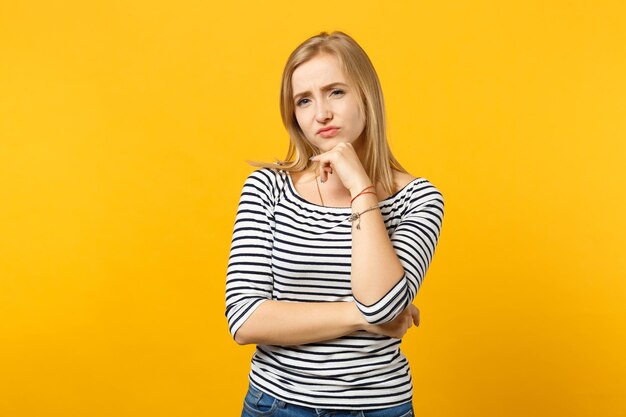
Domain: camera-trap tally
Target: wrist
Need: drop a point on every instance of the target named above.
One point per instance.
(359, 185)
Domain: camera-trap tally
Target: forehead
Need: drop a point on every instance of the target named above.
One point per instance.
(319, 71)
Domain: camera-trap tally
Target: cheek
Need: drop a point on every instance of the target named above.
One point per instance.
(301, 117)
(359, 123)
(357, 117)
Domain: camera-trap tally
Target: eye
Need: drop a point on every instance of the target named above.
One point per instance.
(302, 101)
(337, 91)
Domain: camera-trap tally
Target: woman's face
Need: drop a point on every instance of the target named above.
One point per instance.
(326, 106)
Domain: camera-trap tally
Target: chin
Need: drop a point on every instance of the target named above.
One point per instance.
(330, 143)
(327, 146)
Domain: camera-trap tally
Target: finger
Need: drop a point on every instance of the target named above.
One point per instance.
(405, 323)
(322, 172)
(416, 315)
(325, 169)
(319, 157)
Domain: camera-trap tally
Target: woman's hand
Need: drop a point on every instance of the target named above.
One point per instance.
(343, 161)
(397, 327)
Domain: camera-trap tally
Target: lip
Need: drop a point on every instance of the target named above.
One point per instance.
(324, 129)
(328, 132)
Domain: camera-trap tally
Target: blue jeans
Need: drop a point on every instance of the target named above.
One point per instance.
(259, 404)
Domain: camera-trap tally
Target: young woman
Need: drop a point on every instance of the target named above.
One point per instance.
(330, 248)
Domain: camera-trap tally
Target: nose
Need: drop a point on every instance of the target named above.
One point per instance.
(323, 112)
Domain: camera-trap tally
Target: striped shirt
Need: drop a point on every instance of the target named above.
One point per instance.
(285, 248)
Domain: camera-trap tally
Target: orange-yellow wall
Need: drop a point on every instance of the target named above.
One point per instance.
(124, 127)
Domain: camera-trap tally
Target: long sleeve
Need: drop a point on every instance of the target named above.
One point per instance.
(249, 279)
(414, 241)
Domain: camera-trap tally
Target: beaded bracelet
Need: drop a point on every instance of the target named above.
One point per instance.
(357, 216)
(362, 192)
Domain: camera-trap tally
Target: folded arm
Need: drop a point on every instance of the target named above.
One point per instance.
(388, 269)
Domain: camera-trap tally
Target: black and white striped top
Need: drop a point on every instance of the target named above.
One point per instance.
(288, 249)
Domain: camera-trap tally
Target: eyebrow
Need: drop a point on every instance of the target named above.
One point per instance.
(324, 88)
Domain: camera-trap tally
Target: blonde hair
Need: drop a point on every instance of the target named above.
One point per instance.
(358, 68)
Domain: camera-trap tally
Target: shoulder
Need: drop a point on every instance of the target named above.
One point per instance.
(268, 176)
(402, 179)
(419, 190)
(265, 181)
(425, 196)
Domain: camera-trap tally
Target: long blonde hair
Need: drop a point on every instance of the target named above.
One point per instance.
(358, 68)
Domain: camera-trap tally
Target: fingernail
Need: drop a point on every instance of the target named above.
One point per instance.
(312, 158)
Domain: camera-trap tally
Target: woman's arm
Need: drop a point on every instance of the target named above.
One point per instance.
(291, 323)
(386, 271)
(287, 323)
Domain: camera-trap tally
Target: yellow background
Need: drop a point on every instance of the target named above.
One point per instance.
(124, 126)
